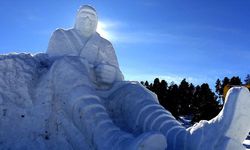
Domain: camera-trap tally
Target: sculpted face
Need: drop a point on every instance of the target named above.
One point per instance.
(86, 21)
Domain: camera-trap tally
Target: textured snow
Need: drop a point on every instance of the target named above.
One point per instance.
(33, 117)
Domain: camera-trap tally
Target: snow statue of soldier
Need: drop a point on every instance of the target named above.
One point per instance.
(121, 115)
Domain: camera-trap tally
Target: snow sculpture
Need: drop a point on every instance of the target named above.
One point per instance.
(83, 41)
(96, 93)
(74, 97)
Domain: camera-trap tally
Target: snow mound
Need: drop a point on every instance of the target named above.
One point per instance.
(17, 77)
(28, 118)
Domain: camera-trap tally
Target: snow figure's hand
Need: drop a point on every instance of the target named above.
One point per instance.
(105, 74)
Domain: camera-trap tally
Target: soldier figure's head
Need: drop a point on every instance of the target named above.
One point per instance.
(86, 20)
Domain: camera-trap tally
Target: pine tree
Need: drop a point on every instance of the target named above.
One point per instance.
(156, 85)
(164, 84)
(172, 104)
(161, 92)
(235, 81)
(247, 80)
(206, 105)
(185, 97)
(218, 86)
(225, 82)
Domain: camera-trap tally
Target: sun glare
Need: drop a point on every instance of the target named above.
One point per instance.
(102, 30)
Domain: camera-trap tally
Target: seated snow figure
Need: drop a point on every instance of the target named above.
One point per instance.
(83, 41)
(115, 114)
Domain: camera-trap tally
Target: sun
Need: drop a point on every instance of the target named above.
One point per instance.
(102, 30)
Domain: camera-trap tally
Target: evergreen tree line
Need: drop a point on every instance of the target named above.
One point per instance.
(185, 99)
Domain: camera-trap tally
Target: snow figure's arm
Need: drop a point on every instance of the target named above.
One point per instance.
(59, 44)
(107, 69)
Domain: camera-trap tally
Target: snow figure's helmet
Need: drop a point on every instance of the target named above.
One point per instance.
(88, 8)
(86, 20)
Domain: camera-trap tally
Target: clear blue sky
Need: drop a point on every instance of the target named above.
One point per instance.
(171, 39)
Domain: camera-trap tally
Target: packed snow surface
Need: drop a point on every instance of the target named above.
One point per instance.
(30, 114)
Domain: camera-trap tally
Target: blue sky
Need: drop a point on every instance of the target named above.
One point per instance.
(171, 39)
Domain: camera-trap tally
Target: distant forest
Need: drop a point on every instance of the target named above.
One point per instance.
(185, 99)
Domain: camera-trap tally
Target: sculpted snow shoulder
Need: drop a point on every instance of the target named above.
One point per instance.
(69, 43)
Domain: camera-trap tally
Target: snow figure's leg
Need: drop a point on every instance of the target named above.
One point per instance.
(77, 97)
(91, 117)
(225, 132)
(229, 128)
(141, 112)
